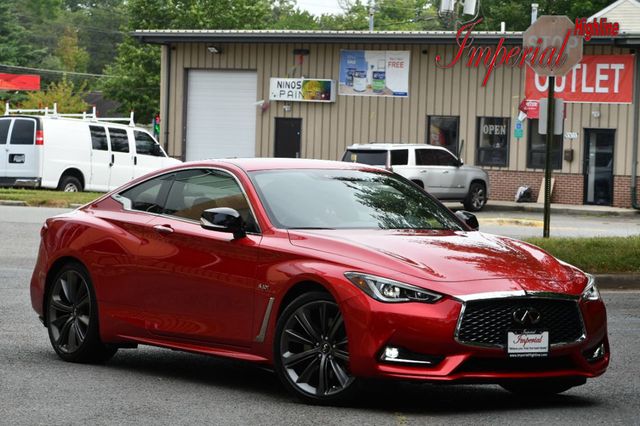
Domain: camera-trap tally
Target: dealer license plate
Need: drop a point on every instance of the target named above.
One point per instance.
(527, 344)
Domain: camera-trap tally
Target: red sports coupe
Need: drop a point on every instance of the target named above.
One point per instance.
(330, 272)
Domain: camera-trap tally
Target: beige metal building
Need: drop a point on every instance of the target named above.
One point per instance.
(215, 102)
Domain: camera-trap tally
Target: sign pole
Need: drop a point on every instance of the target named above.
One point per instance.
(547, 164)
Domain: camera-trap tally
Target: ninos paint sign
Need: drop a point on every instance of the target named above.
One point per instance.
(301, 90)
(374, 73)
(596, 79)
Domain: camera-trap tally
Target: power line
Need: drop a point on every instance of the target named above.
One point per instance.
(86, 74)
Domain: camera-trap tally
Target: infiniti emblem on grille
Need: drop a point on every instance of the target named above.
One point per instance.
(526, 316)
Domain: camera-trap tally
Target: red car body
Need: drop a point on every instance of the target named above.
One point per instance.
(206, 292)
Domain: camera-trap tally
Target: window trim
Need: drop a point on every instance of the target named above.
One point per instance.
(478, 163)
(126, 205)
(528, 163)
(428, 132)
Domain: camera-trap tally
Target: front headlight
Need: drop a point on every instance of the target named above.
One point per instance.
(386, 290)
(591, 292)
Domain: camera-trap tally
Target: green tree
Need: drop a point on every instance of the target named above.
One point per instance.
(72, 57)
(63, 93)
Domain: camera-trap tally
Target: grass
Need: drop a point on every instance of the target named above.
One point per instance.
(47, 198)
(602, 255)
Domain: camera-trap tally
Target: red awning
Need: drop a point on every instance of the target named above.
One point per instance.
(19, 82)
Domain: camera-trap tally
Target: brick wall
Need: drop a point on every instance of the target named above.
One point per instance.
(568, 188)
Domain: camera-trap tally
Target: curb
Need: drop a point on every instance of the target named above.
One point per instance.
(13, 203)
(618, 281)
(561, 210)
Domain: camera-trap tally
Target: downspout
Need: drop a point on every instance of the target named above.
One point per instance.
(166, 100)
(634, 155)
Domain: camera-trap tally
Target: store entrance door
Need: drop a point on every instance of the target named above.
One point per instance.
(288, 137)
(598, 166)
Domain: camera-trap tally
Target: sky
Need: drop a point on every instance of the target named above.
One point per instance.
(318, 7)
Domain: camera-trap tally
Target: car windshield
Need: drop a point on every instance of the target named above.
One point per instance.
(347, 199)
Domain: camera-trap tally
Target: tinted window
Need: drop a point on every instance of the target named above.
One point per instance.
(4, 131)
(445, 158)
(343, 199)
(99, 138)
(119, 140)
(426, 157)
(373, 157)
(399, 157)
(146, 145)
(149, 196)
(23, 132)
(536, 152)
(194, 191)
(443, 131)
(493, 141)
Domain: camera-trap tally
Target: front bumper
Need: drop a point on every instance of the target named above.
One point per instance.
(429, 330)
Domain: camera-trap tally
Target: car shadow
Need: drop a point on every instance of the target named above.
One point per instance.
(381, 396)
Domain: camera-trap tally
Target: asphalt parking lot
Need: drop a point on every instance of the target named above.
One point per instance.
(157, 386)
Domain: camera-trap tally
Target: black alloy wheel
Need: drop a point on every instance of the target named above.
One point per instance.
(72, 317)
(311, 350)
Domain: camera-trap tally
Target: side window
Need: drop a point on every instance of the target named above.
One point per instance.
(426, 157)
(149, 196)
(23, 132)
(194, 191)
(446, 159)
(99, 138)
(443, 131)
(4, 131)
(399, 157)
(493, 141)
(146, 145)
(119, 140)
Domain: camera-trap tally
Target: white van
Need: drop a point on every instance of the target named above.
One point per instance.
(74, 154)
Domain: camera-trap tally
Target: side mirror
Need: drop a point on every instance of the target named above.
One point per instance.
(460, 162)
(223, 219)
(469, 219)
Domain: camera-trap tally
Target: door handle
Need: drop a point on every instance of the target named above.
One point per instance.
(163, 229)
(135, 160)
(424, 171)
(113, 160)
(445, 172)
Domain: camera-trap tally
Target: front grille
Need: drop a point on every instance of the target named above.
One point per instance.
(486, 322)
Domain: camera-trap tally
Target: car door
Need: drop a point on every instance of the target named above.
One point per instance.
(149, 156)
(451, 177)
(428, 170)
(204, 282)
(23, 155)
(121, 157)
(100, 159)
(5, 124)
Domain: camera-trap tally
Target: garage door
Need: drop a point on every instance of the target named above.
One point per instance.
(221, 114)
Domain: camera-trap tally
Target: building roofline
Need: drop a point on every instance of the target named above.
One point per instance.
(295, 36)
(611, 7)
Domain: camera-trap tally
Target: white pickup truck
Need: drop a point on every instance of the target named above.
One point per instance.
(431, 167)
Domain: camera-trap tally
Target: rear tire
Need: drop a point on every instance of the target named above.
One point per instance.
(476, 197)
(542, 387)
(72, 317)
(311, 354)
(70, 184)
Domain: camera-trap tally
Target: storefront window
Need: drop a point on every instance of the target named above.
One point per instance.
(493, 141)
(536, 150)
(443, 131)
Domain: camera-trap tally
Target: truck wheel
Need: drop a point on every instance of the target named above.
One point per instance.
(476, 197)
(70, 184)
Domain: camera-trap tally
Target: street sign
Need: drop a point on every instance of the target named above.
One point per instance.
(518, 132)
(558, 48)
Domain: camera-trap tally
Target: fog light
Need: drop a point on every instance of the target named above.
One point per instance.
(391, 353)
(597, 353)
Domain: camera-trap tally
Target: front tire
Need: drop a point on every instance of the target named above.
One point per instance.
(311, 354)
(72, 317)
(476, 197)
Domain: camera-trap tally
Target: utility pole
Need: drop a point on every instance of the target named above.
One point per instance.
(371, 7)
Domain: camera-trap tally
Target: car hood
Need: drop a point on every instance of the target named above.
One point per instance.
(455, 262)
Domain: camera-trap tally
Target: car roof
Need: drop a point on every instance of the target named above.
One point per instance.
(390, 146)
(255, 164)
